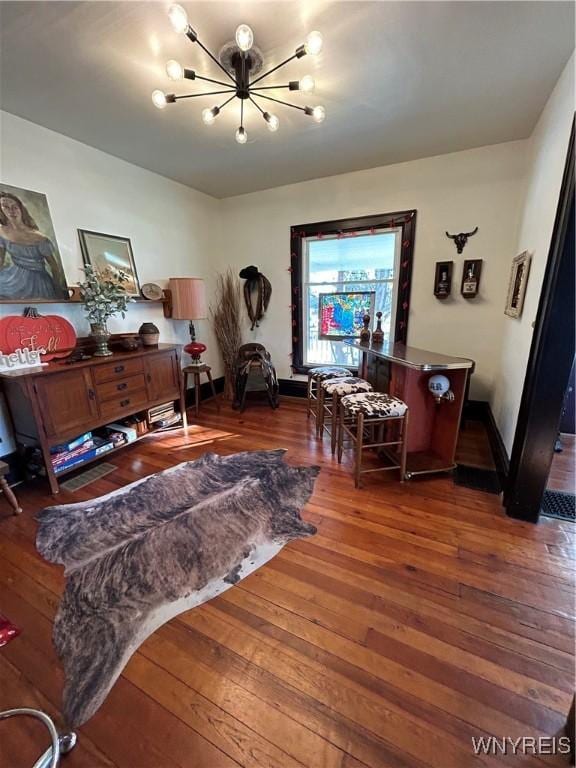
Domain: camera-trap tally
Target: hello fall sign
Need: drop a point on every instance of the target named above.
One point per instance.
(31, 339)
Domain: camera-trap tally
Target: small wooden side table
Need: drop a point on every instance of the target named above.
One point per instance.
(8, 492)
(196, 370)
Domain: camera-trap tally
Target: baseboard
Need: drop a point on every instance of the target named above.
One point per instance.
(292, 387)
(479, 410)
(498, 448)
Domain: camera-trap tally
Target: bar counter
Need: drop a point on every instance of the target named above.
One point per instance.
(404, 372)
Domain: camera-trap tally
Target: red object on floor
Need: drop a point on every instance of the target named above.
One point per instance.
(8, 631)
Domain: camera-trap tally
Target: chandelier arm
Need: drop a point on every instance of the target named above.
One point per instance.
(210, 80)
(209, 93)
(279, 101)
(256, 104)
(227, 101)
(269, 87)
(282, 63)
(215, 60)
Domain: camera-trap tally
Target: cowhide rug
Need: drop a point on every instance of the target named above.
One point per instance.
(139, 556)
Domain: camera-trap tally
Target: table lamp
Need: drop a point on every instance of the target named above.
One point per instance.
(189, 303)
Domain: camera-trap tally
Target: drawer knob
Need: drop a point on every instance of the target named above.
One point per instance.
(118, 369)
(122, 386)
(124, 403)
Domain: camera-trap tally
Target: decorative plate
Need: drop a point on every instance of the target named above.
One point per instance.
(152, 292)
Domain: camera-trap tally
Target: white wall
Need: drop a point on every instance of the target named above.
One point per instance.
(173, 228)
(547, 149)
(455, 192)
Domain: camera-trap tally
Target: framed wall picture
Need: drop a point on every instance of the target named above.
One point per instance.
(443, 279)
(471, 278)
(110, 252)
(341, 314)
(30, 264)
(517, 285)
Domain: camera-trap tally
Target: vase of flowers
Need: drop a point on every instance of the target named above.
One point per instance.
(104, 295)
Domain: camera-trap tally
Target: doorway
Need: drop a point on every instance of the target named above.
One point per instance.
(549, 366)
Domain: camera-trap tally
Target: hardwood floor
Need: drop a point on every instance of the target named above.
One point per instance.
(418, 617)
(562, 475)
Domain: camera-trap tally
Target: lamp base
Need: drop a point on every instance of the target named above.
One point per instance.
(195, 349)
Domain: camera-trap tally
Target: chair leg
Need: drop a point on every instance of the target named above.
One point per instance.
(12, 500)
(319, 411)
(212, 387)
(335, 422)
(308, 397)
(197, 394)
(340, 433)
(404, 448)
(359, 442)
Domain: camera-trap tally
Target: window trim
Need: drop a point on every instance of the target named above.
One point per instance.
(406, 220)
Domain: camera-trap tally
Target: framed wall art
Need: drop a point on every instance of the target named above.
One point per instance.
(341, 314)
(110, 252)
(471, 278)
(30, 264)
(443, 279)
(517, 285)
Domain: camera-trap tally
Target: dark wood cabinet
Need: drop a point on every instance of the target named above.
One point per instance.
(67, 402)
(63, 400)
(162, 375)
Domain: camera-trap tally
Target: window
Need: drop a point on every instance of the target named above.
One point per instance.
(364, 262)
(354, 255)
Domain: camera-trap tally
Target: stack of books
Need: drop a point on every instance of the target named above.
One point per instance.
(162, 415)
(78, 451)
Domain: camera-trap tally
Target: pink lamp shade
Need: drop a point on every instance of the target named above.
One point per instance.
(188, 298)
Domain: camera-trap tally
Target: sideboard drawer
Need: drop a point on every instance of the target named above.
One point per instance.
(111, 390)
(123, 404)
(119, 370)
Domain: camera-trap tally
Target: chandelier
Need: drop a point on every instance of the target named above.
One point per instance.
(241, 62)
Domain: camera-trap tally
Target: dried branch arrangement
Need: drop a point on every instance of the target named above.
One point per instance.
(226, 315)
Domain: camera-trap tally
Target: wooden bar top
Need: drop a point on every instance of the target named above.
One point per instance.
(411, 357)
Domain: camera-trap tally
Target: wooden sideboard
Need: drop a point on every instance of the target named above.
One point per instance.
(63, 400)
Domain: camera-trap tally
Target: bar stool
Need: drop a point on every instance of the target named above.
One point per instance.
(315, 375)
(329, 391)
(371, 413)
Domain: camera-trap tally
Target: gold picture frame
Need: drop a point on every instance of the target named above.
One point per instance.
(517, 285)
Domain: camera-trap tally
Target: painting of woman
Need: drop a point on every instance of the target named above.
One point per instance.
(30, 266)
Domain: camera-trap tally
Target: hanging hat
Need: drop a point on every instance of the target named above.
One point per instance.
(249, 273)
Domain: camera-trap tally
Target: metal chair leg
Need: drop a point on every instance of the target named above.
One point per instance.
(404, 447)
(358, 453)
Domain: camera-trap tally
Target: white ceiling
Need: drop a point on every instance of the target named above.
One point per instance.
(400, 80)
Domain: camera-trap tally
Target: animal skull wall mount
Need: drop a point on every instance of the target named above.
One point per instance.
(461, 239)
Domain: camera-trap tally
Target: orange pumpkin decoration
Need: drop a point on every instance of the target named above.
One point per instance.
(50, 332)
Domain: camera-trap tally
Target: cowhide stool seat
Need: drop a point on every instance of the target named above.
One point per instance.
(370, 416)
(315, 376)
(329, 392)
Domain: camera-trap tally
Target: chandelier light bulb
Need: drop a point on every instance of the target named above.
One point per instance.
(318, 114)
(241, 135)
(178, 18)
(174, 70)
(272, 122)
(159, 99)
(314, 43)
(244, 37)
(209, 115)
(307, 84)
